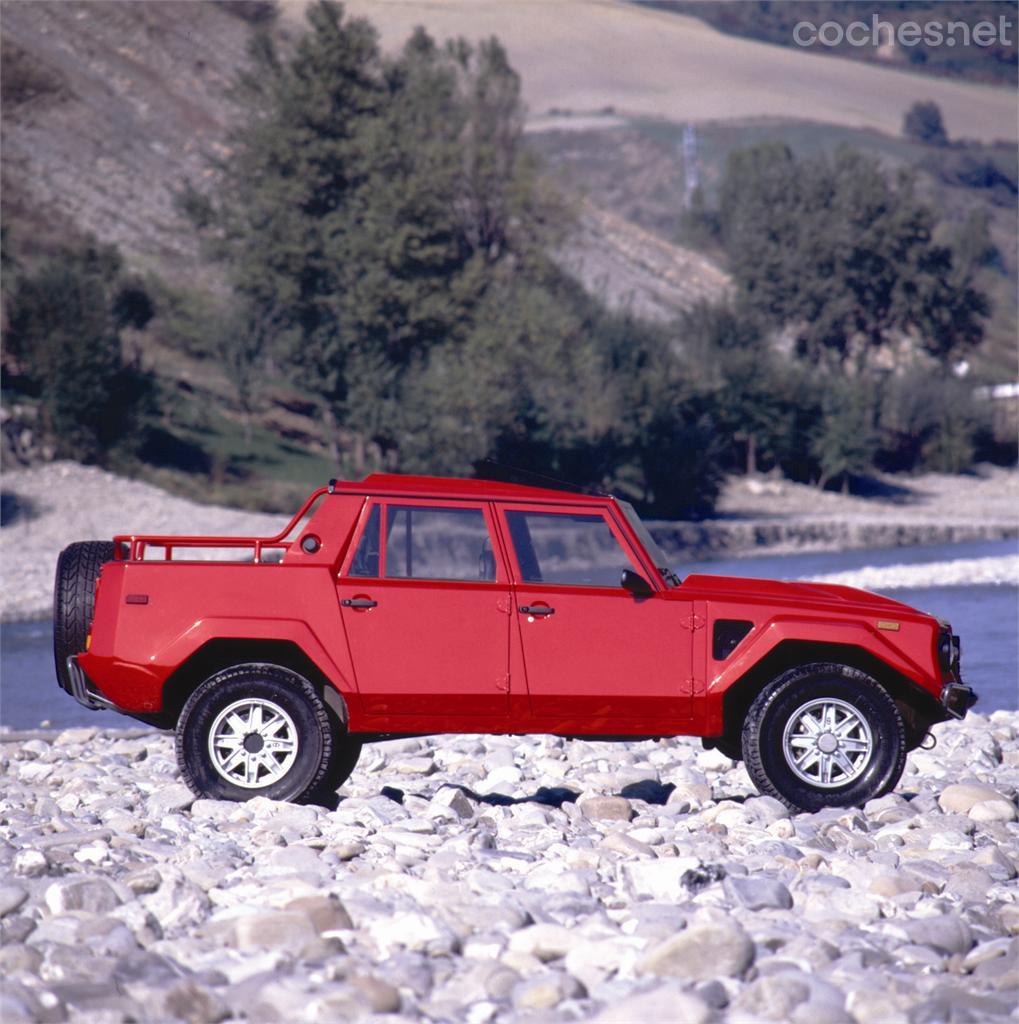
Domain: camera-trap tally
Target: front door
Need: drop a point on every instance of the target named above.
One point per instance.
(425, 601)
(597, 658)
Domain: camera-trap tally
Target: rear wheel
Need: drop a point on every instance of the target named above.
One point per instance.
(824, 735)
(260, 730)
(74, 596)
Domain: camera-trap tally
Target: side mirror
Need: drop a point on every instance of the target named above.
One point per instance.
(636, 584)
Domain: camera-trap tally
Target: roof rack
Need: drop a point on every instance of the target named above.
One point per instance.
(133, 546)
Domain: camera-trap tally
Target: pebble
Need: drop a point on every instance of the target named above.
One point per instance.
(608, 808)
(960, 797)
(757, 893)
(484, 880)
(700, 953)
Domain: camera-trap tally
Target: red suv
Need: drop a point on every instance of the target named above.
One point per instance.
(403, 605)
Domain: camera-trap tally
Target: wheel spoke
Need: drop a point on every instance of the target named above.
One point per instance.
(847, 766)
(810, 725)
(272, 726)
(826, 766)
(848, 725)
(854, 745)
(280, 745)
(802, 741)
(234, 760)
(809, 759)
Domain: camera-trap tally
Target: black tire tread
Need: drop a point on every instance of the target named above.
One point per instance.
(767, 697)
(285, 677)
(78, 568)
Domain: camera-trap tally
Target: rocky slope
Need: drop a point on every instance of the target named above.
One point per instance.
(506, 879)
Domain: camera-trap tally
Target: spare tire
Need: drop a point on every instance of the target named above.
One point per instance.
(74, 598)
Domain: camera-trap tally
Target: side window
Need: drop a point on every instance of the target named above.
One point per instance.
(438, 544)
(366, 557)
(567, 548)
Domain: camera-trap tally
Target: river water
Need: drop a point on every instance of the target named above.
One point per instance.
(986, 617)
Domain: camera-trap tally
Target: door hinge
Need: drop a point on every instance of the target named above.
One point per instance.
(503, 605)
(692, 622)
(503, 684)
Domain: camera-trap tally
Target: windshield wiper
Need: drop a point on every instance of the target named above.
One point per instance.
(669, 576)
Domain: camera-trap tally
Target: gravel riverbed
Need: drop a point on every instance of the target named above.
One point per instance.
(507, 879)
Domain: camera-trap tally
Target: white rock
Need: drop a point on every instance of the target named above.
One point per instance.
(544, 941)
(959, 798)
(666, 1003)
(81, 892)
(993, 810)
(701, 952)
(659, 879)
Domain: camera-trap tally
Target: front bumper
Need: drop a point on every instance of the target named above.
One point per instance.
(957, 699)
(83, 690)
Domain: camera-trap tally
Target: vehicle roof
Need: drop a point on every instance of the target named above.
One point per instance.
(399, 485)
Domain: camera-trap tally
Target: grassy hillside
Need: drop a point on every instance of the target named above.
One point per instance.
(774, 22)
(588, 55)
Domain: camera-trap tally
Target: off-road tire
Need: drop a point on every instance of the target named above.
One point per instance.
(780, 701)
(346, 752)
(74, 598)
(315, 763)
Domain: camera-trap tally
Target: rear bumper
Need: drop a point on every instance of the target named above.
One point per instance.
(957, 699)
(84, 691)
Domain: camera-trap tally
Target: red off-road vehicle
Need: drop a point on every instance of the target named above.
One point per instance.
(413, 605)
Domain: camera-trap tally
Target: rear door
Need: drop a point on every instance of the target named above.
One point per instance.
(597, 658)
(425, 603)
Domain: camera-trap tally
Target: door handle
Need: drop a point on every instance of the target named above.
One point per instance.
(358, 602)
(536, 609)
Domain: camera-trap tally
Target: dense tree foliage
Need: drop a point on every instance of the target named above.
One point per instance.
(370, 206)
(842, 256)
(63, 340)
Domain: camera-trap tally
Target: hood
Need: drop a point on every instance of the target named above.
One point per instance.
(829, 595)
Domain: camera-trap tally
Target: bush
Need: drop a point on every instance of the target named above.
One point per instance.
(923, 122)
(929, 421)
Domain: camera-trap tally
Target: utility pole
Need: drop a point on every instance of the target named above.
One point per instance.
(691, 164)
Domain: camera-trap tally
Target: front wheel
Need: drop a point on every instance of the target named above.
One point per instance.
(824, 735)
(257, 730)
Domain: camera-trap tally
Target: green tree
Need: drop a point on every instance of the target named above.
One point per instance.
(366, 210)
(835, 253)
(64, 335)
(845, 441)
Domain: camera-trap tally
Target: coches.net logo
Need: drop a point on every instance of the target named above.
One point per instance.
(880, 33)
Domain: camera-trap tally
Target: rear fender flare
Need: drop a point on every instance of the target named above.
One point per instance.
(341, 695)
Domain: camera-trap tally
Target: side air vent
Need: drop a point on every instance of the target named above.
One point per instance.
(727, 634)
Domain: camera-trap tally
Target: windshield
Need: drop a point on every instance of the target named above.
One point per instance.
(650, 544)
